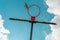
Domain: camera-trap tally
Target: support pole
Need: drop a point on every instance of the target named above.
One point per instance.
(31, 32)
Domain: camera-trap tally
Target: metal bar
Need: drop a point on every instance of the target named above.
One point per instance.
(18, 19)
(32, 22)
(45, 22)
(31, 32)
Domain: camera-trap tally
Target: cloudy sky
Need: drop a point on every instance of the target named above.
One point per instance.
(18, 30)
(53, 8)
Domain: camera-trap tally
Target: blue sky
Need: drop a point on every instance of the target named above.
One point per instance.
(21, 30)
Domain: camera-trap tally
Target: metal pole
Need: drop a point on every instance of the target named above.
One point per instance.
(31, 32)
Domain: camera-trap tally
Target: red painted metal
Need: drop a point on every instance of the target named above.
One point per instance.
(32, 18)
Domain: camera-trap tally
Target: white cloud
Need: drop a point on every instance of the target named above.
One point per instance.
(55, 35)
(54, 7)
(3, 32)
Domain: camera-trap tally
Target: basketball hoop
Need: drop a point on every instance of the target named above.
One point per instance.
(35, 6)
(33, 17)
(32, 21)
